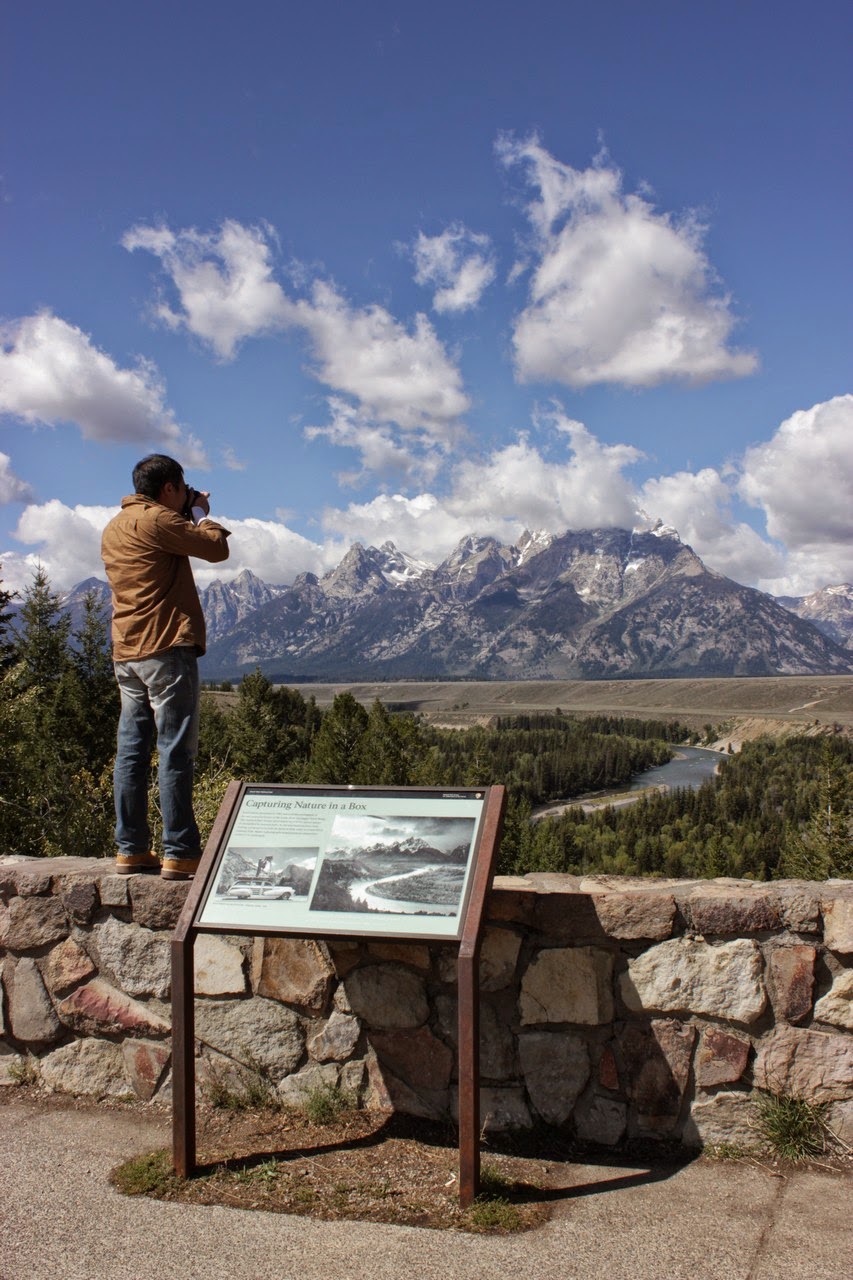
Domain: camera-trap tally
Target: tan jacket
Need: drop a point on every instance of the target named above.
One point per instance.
(145, 549)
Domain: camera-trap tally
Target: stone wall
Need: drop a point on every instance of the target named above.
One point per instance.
(626, 1008)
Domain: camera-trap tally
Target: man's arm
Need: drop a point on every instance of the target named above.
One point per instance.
(205, 541)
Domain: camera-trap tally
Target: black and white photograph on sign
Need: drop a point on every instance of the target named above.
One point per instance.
(397, 865)
(266, 875)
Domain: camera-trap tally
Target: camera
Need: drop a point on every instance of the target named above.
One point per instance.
(192, 495)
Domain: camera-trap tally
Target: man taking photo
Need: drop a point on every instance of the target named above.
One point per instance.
(158, 635)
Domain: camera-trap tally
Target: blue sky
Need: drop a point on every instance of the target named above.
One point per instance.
(384, 271)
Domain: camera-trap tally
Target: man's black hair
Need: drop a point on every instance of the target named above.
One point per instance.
(155, 471)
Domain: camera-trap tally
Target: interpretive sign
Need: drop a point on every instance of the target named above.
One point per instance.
(412, 863)
(347, 861)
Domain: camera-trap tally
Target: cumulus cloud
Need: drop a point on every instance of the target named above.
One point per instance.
(224, 281)
(457, 263)
(802, 480)
(380, 454)
(699, 506)
(52, 373)
(619, 292)
(68, 542)
(226, 293)
(514, 488)
(12, 489)
(396, 374)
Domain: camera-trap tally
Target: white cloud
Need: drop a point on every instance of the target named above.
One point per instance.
(802, 479)
(514, 488)
(68, 541)
(224, 282)
(12, 489)
(699, 506)
(227, 293)
(458, 263)
(620, 293)
(396, 374)
(52, 373)
(380, 454)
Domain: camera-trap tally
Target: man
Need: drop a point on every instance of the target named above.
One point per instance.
(158, 633)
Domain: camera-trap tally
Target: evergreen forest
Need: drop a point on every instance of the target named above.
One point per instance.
(779, 807)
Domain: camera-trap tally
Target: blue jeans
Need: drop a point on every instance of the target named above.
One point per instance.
(159, 698)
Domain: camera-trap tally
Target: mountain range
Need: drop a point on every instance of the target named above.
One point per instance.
(584, 604)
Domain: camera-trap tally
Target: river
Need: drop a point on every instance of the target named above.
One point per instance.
(689, 768)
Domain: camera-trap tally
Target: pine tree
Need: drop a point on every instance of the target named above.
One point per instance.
(335, 759)
(824, 847)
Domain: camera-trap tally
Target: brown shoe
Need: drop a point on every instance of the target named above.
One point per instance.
(132, 864)
(179, 868)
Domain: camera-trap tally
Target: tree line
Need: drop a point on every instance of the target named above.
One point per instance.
(776, 808)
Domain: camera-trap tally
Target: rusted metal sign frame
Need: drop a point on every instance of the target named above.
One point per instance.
(468, 985)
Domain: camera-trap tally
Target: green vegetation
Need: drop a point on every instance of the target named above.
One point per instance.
(146, 1175)
(791, 1127)
(777, 808)
(767, 809)
(326, 1103)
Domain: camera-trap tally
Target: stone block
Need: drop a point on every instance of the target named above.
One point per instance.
(790, 981)
(36, 883)
(337, 1038)
(218, 967)
(66, 966)
(145, 1062)
(815, 1065)
(568, 917)
(503, 1110)
(80, 901)
(86, 1067)
(839, 1121)
(511, 901)
(724, 1118)
(722, 980)
(568, 984)
(498, 958)
(721, 910)
(415, 954)
(294, 1089)
(156, 903)
(556, 1068)
(33, 922)
(608, 1071)
(344, 954)
(721, 1057)
(387, 998)
(601, 1120)
(657, 1065)
(635, 915)
(836, 1007)
(799, 905)
(32, 1018)
(296, 971)
(114, 891)
(138, 960)
(415, 1056)
(838, 924)
(258, 1033)
(99, 1009)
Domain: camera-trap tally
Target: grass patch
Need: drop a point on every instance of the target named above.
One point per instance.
(146, 1175)
(327, 1103)
(487, 1214)
(25, 1071)
(791, 1127)
(249, 1088)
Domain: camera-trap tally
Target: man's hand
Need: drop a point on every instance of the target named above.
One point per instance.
(201, 498)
